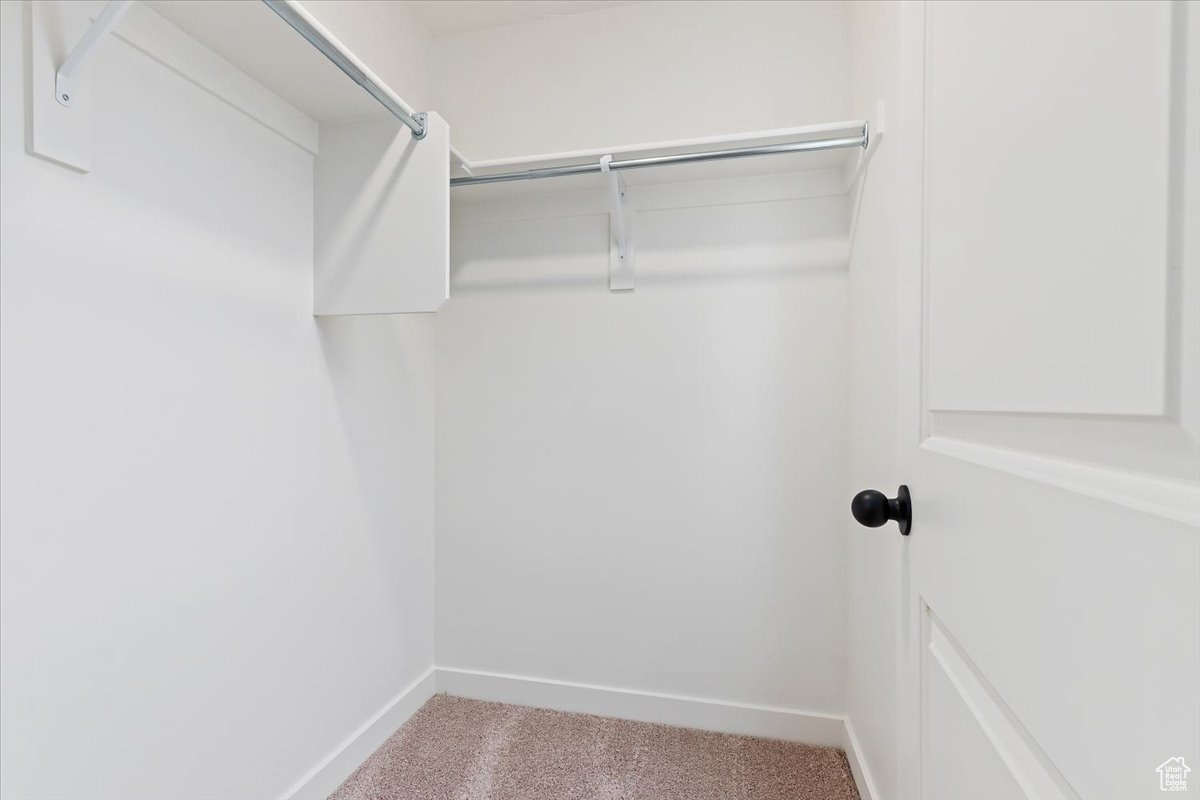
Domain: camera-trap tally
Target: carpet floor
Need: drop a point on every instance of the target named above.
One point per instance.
(458, 749)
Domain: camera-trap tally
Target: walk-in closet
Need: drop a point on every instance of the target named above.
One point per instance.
(652, 400)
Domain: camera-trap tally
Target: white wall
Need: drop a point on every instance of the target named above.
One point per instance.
(873, 589)
(642, 72)
(217, 511)
(646, 491)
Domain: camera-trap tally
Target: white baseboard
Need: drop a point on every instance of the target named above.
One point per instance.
(858, 764)
(322, 779)
(691, 712)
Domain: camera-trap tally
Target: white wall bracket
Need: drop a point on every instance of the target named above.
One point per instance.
(620, 252)
(64, 79)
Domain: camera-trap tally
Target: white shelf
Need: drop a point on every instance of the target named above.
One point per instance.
(747, 139)
(252, 38)
(255, 40)
(741, 167)
(367, 168)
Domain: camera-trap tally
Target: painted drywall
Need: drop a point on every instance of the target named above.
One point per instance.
(644, 490)
(643, 72)
(217, 517)
(873, 556)
(443, 18)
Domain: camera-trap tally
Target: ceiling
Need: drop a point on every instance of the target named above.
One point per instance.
(445, 17)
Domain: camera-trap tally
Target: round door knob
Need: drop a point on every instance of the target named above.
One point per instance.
(873, 508)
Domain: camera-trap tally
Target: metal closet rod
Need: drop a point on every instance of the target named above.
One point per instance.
(678, 158)
(347, 63)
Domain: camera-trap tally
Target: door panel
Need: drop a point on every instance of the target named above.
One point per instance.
(960, 760)
(1056, 267)
(1048, 286)
(1047, 127)
(974, 747)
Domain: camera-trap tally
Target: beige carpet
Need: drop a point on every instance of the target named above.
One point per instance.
(457, 749)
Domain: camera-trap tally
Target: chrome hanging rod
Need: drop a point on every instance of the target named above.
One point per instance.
(659, 161)
(344, 60)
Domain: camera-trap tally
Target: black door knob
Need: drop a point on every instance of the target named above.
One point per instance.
(873, 508)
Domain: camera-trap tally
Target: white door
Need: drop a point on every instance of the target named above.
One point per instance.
(1049, 304)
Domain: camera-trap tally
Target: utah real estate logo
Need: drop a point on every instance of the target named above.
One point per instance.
(1172, 775)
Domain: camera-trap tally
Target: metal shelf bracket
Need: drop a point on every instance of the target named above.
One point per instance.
(620, 255)
(64, 89)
